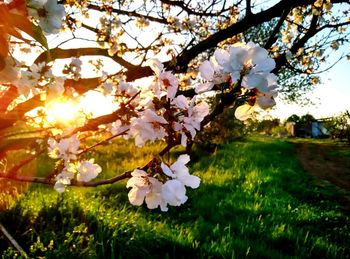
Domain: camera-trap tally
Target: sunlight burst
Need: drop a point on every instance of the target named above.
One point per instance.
(62, 112)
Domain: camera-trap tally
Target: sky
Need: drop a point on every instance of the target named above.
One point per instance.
(330, 98)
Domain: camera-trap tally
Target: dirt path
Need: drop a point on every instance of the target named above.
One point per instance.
(324, 162)
(327, 161)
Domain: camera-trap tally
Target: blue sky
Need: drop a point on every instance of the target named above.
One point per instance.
(331, 97)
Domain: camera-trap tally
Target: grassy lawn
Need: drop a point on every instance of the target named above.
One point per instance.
(255, 200)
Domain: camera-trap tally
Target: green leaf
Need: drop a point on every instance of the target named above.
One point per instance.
(23, 24)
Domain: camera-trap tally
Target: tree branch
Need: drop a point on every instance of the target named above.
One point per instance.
(51, 181)
(7, 96)
(190, 11)
(272, 39)
(128, 13)
(11, 117)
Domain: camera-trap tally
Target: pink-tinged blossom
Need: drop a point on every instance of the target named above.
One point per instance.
(190, 118)
(87, 170)
(64, 178)
(173, 193)
(55, 88)
(148, 127)
(173, 190)
(29, 80)
(126, 89)
(66, 148)
(144, 188)
(196, 114)
(48, 13)
(178, 170)
(167, 83)
(210, 71)
(117, 127)
(180, 102)
(253, 63)
(266, 99)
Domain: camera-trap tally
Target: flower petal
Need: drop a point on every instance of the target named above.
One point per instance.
(243, 112)
(206, 70)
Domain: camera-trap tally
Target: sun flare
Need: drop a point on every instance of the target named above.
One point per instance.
(92, 104)
(62, 112)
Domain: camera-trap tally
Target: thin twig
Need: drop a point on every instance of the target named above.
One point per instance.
(14, 169)
(13, 241)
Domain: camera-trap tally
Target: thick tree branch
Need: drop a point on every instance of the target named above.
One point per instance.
(58, 53)
(272, 39)
(11, 117)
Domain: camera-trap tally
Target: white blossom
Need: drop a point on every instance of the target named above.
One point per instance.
(49, 14)
(174, 193)
(253, 63)
(87, 170)
(147, 127)
(173, 190)
(248, 62)
(167, 83)
(117, 127)
(66, 148)
(244, 111)
(64, 178)
(211, 72)
(178, 170)
(266, 99)
(144, 188)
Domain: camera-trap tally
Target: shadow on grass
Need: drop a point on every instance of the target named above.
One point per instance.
(254, 201)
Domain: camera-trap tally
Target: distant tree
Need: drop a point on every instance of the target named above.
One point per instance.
(267, 126)
(293, 118)
(307, 118)
(339, 126)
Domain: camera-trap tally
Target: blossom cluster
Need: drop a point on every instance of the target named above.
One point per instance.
(247, 65)
(166, 186)
(165, 115)
(67, 149)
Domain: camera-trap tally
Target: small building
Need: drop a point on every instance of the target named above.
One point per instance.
(314, 129)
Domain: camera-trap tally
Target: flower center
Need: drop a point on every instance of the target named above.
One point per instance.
(42, 12)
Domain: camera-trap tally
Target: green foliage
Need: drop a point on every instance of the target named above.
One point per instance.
(267, 126)
(307, 118)
(339, 126)
(255, 201)
(293, 118)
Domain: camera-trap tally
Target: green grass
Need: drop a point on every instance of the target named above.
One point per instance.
(254, 201)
